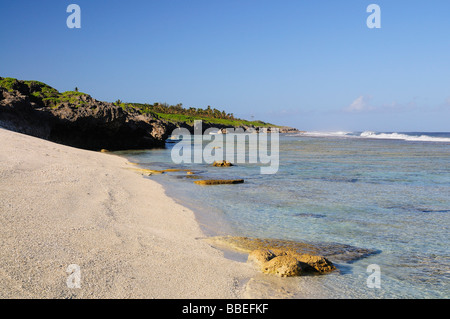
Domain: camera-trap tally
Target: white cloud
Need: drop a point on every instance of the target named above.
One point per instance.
(447, 101)
(360, 104)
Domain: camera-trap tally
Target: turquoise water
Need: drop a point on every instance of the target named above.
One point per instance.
(384, 191)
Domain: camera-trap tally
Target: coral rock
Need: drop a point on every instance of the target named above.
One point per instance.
(283, 266)
(222, 164)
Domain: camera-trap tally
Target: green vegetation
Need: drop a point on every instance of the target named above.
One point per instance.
(11, 84)
(46, 96)
(227, 122)
(178, 109)
(176, 113)
(7, 83)
(41, 93)
(54, 100)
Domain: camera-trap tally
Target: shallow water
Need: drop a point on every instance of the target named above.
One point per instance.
(391, 195)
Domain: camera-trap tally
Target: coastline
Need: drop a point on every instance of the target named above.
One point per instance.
(64, 206)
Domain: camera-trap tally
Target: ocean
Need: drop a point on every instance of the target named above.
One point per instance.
(386, 191)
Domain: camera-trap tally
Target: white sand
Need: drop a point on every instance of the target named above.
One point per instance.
(61, 206)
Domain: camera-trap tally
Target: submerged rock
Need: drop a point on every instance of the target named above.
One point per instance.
(191, 176)
(312, 215)
(147, 171)
(219, 181)
(332, 251)
(155, 171)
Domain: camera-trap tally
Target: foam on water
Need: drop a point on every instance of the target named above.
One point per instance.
(405, 137)
(414, 137)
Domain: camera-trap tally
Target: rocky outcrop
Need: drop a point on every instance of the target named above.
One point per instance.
(222, 164)
(276, 129)
(78, 120)
(316, 264)
(225, 129)
(339, 253)
(286, 263)
(283, 266)
(260, 256)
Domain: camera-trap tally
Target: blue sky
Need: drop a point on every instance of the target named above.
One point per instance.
(314, 65)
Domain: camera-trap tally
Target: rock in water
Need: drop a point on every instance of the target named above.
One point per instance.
(219, 181)
(222, 164)
(317, 264)
(340, 253)
(262, 258)
(283, 266)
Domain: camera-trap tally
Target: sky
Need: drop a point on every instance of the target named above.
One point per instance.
(313, 65)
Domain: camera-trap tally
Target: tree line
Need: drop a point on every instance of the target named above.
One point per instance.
(179, 109)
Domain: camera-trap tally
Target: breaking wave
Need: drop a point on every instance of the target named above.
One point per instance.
(415, 137)
(420, 137)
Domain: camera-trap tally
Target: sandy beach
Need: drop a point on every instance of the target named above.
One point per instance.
(61, 206)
